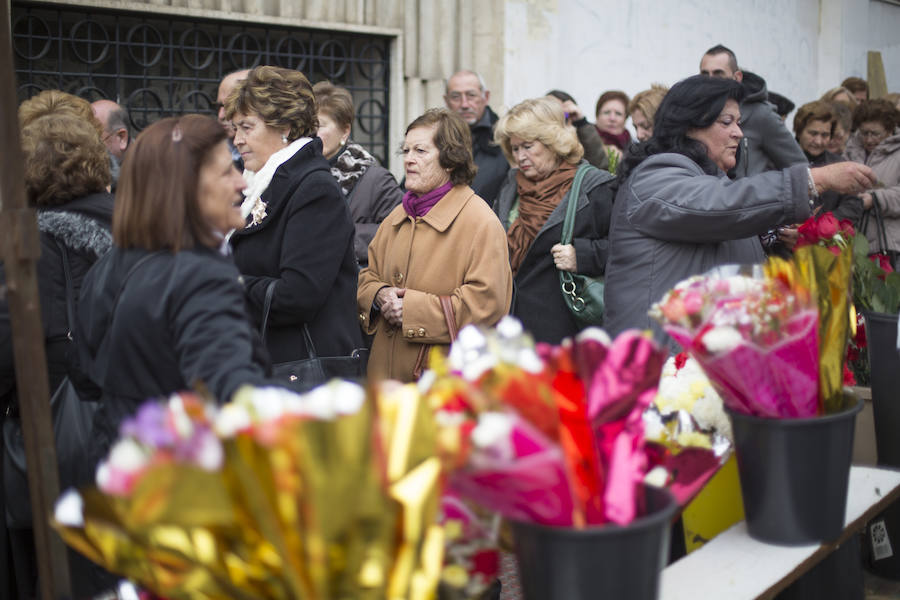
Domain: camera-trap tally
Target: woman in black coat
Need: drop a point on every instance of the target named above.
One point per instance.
(298, 232)
(164, 310)
(532, 206)
(66, 178)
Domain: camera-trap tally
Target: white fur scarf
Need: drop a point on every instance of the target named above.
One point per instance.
(258, 182)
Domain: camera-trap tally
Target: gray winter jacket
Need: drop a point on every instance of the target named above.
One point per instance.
(767, 144)
(885, 161)
(671, 220)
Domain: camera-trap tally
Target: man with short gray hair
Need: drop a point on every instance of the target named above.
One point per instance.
(467, 96)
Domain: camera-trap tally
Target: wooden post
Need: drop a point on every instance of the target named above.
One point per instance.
(20, 249)
(876, 79)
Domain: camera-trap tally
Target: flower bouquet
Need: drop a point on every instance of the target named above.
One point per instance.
(275, 495)
(552, 439)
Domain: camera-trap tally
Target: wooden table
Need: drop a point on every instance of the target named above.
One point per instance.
(735, 566)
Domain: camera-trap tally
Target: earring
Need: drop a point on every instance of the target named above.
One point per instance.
(343, 142)
(283, 139)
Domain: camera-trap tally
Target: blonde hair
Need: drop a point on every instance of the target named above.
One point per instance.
(830, 95)
(540, 119)
(648, 101)
(51, 102)
(282, 98)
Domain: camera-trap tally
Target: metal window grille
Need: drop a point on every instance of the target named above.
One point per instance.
(162, 65)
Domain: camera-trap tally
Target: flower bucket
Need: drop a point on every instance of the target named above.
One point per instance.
(598, 562)
(884, 360)
(794, 474)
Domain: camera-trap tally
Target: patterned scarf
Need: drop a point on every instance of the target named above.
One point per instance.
(537, 199)
(349, 165)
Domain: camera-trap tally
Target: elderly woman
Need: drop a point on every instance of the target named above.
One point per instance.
(876, 143)
(443, 243)
(813, 125)
(298, 232)
(677, 214)
(532, 206)
(370, 189)
(642, 110)
(66, 177)
(612, 111)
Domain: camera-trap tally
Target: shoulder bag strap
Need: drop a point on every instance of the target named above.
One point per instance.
(568, 227)
(264, 324)
(70, 288)
(879, 225)
(447, 307)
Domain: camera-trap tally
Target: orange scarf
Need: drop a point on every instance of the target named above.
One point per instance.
(537, 199)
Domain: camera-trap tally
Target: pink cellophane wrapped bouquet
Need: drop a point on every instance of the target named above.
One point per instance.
(755, 335)
(546, 434)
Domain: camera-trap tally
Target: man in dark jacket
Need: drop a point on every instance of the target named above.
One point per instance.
(467, 96)
(767, 144)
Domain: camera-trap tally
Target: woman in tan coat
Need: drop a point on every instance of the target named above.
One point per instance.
(443, 240)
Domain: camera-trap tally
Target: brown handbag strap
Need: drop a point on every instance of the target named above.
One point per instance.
(447, 305)
(422, 358)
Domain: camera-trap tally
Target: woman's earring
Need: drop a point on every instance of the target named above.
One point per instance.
(343, 142)
(283, 139)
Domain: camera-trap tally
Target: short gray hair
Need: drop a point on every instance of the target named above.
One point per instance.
(478, 76)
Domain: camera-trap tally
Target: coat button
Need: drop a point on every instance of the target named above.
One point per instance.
(362, 317)
(410, 333)
(421, 332)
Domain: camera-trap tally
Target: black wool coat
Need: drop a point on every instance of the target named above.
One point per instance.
(180, 320)
(537, 297)
(82, 226)
(305, 244)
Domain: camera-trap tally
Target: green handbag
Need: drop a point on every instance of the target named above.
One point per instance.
(582, 294)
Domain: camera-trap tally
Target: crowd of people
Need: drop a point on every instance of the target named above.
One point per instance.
(270, 236)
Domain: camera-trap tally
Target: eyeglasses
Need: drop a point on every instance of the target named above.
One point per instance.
(872, 134)
(471, 96)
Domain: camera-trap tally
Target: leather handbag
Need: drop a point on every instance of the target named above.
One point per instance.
(582, 294)
(306, 373)
(450, 318)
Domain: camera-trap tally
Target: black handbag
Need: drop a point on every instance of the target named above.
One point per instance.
(73, 420)
(72, 424)
(880, 232)
(306, 373)
(582, 294)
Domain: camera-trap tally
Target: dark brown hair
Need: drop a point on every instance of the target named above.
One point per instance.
(856, 84)
(282, 98)
(64, 159)
(879, 110)
(814, 111)
(453, 141)
(612, 95)
(336, 102)
(157, 206)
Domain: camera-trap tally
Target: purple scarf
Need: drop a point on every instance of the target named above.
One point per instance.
(418, 206)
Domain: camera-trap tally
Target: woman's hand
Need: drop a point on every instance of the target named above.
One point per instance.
(867, 200)
(564, 257)
(788, 236)
(390, 304)
(843, 177)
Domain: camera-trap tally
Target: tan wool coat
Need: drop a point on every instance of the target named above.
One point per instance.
(459, 250)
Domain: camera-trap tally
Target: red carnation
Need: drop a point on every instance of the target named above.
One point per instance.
(883, 262)
(827, 226)
(847, 228)
(808, 233)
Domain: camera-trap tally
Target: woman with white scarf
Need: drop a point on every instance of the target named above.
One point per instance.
(298, 231)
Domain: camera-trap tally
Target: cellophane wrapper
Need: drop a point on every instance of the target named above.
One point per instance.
(828, 276)
(756, 338)
(333, 494)
(529, 433)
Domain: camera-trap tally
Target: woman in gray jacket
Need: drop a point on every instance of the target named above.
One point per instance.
(676, 212)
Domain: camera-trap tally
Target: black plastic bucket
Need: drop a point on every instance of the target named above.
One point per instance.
(794, 474)
(597, 562)
(884, 360)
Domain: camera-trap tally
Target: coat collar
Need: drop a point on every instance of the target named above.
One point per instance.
(442, 215)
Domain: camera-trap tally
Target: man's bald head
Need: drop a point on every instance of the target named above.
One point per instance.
(114, 119)
(225, 88)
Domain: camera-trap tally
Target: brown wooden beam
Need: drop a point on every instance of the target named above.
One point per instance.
(19, 250)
